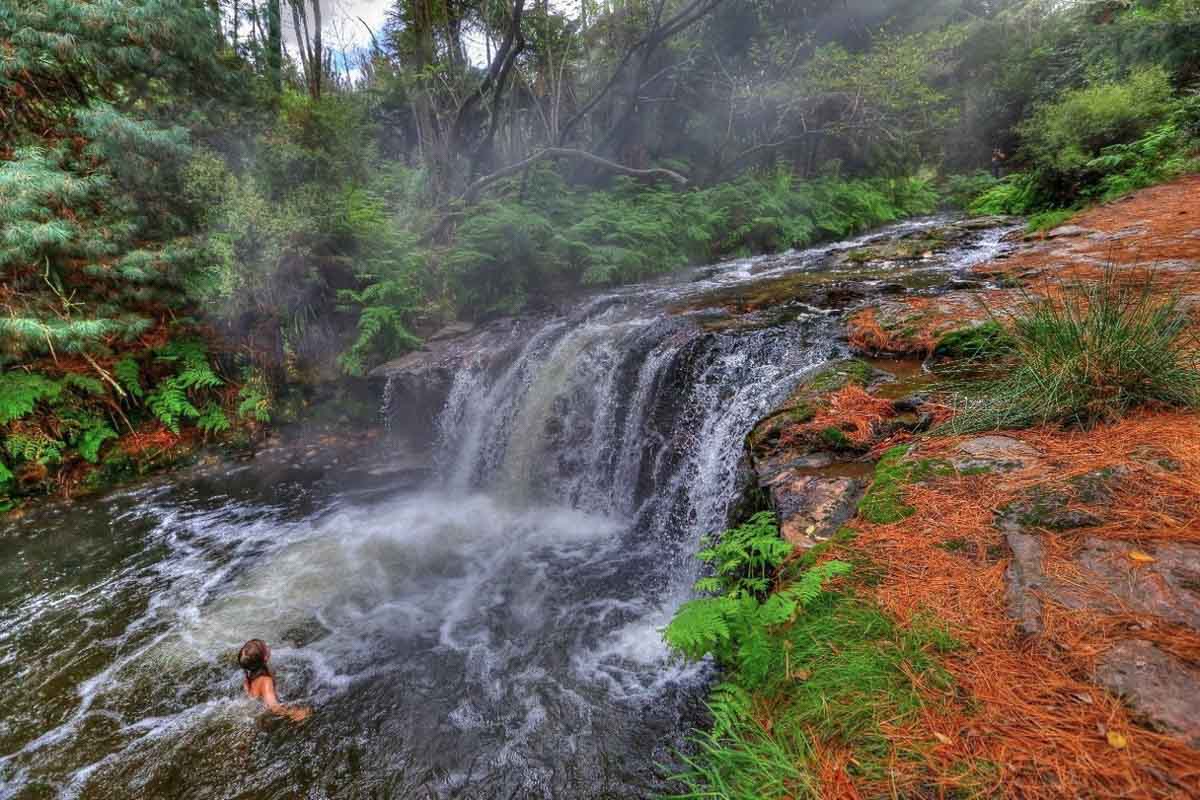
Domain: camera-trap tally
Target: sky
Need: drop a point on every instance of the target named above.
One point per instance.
(344, 31)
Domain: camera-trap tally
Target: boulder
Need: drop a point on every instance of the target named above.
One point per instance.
(812, 508)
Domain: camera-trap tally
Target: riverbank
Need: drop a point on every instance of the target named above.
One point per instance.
(1023, 616)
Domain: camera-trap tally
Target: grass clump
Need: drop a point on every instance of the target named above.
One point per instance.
(1089, 356)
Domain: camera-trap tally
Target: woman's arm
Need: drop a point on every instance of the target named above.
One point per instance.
(267, 695)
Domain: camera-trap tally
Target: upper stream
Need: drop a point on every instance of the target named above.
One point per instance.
(491, 630)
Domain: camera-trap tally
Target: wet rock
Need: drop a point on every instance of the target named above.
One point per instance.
(984, 223)
(812, 508)
(998, 453)
(1157, 685)
(1068, 231)
(417, 383)
(453, 331)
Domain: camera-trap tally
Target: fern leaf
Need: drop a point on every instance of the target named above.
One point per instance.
(91, 440)
(129, 376)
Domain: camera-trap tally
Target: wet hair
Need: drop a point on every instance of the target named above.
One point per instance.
(252, 658)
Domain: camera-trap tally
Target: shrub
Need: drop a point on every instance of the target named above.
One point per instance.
(1100, 350)
(1065, 135)
(961, 191)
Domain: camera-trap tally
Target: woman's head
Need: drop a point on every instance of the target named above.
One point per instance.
(253, 656)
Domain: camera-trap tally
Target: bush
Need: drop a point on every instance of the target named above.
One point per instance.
(1102, 349)
(962, 191)
(1065, 135)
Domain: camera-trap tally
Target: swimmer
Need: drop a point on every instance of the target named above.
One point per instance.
(259, 682)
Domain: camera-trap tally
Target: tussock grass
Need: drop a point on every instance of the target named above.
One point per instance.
(1087, 352)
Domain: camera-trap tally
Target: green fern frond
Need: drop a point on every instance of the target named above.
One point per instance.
(21, 392)
(169, 403)
(128, 374)
(90, 441)
(212, 419)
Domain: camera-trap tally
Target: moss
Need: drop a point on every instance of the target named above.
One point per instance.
(883, 503)
(834, 437)
(953, 545)
(985, 341)
(840, 374)
(904, 250)
(769, 429)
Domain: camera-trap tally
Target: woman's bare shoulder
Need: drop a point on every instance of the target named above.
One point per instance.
(260, 685)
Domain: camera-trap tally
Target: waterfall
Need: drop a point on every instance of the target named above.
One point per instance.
(617, 412)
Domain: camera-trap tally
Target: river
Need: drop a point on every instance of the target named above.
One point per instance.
(491, 630)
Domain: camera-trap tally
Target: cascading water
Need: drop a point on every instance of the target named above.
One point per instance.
(492, 632)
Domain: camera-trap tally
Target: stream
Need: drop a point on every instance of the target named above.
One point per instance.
(489, 628)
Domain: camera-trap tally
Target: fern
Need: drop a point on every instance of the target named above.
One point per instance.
(90, 441)
(169, 403)
(729, 705)
(85, 383)
(194, 370)
(34, 446)
(212, 419)
(254, 402)
(701, 627)
(6, 475)
(129, 376)
(21, 392)
(735, 626)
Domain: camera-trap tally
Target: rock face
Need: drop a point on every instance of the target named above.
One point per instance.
(416, 385)
(1158, 583)
(812, 508)
(814, 480)
(995, 453)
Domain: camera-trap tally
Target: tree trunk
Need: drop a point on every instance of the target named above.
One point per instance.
(275, 44)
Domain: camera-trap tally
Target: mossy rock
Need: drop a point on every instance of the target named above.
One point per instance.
(840, 374)
(975, 342)
(768, 430)
(836, 438)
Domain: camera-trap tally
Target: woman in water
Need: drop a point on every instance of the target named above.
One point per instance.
(259, 683)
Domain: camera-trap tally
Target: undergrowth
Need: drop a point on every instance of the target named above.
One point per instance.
(59, 425)
(1088, 354)
(825, 671)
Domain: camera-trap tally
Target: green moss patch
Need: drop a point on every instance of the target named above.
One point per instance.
(988, 340)
(883, 503)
